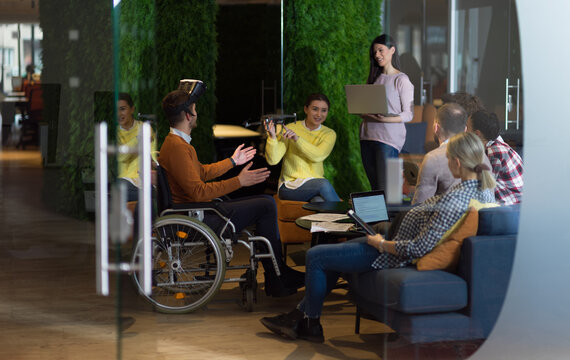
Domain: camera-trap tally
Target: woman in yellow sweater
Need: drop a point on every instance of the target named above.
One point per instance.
(303, 146)
(127, 134)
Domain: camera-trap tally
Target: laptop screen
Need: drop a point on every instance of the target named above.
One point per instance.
(370, 206)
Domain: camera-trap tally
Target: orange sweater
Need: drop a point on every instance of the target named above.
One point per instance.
(187, 176)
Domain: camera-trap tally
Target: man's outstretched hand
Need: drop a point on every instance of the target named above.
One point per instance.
(243, 155)
(251, 177)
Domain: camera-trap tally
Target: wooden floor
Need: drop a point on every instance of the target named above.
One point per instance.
(49, 308)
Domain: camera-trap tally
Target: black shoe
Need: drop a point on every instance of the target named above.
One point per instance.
(292, 278)
(274, 286)
(310, 330)
(284, 324)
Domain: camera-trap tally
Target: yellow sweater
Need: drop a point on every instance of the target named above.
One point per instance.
(129, 163)
(304, 158)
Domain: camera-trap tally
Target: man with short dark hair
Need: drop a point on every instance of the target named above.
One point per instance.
(471, 103)
(507, 165)
(191, 181)
(434, 177)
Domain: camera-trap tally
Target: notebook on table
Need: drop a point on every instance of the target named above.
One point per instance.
(370, 206)
(367, 99)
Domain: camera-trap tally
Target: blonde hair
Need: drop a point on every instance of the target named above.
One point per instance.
(469, 149)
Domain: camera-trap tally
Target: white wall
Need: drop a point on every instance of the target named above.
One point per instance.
(535, 321)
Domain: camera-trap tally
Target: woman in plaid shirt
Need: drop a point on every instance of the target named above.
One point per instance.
(420, 230)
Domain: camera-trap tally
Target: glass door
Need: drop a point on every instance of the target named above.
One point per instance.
(485, 58)
(462, 45)
(420, 29)
(125, 135)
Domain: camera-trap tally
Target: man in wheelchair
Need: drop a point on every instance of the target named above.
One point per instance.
(189, 182)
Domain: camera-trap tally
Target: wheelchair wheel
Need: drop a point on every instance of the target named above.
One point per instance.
(249, 290)
(188, 264)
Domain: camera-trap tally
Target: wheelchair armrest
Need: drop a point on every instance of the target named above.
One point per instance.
(205, 206)
(210, 206)
(222, 198)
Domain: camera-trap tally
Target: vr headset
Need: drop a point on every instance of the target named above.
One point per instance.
(194, 88)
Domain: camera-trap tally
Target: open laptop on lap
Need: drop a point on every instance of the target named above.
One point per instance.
(370, 206)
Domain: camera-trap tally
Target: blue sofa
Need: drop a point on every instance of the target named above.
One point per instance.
(430, 306)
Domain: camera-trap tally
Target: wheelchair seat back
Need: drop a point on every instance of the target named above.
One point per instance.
(165, 205)
(163, 194)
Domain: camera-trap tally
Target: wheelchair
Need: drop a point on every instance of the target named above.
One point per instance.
(189, 259)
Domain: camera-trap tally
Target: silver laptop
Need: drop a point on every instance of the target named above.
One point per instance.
(367, 99)
(16, 83)
(370, 206)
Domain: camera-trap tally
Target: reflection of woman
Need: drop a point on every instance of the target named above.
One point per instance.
(303, 146)
(420, 230)
(127, 134)
(30, 69)
(382, 137)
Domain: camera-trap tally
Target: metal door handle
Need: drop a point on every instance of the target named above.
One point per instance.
(102, 149)
(101, 210)
(509, 103)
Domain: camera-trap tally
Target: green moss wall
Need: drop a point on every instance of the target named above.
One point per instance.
(187, 49)
(162, 42)
(326, 47)
(157, 43)
(136, 53)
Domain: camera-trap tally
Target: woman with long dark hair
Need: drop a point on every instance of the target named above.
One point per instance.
(382, 137)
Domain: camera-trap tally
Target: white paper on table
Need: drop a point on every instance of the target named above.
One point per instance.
(329, 226)
(325, 217)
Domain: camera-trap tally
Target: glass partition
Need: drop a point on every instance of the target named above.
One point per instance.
(470, 46)
(487, 59)
(235, 50)
(420, 28)
(86, 53)
(463, 45)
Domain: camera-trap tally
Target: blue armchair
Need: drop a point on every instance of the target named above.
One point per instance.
(430, 306)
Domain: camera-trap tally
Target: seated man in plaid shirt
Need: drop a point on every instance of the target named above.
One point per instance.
(507, 164)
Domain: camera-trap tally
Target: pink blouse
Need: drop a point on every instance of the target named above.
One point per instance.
(400, 96)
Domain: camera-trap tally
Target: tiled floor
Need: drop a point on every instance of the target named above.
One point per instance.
(49, 308)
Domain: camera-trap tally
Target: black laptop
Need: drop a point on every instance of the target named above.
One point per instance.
(370, 206)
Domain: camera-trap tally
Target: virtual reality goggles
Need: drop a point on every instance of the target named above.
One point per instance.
(194, 88)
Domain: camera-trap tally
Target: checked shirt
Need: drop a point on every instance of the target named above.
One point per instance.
(508, 170)
(425, 224)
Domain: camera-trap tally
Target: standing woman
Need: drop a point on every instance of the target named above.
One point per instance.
(303, 146)
(382, 137)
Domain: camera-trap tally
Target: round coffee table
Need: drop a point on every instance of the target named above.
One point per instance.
(337, 207)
